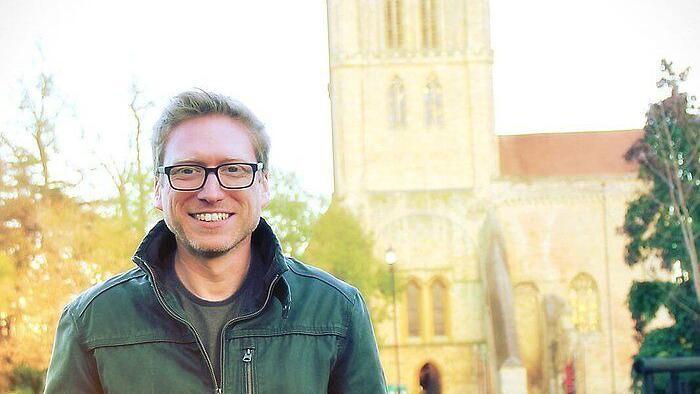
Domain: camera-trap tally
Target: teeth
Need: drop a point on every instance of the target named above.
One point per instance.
(211, 217)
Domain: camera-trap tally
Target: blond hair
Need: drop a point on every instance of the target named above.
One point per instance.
(195, 103)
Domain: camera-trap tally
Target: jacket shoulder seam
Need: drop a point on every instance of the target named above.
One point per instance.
(343, 343)
(338, 289)
(77, 327)
(127, 276)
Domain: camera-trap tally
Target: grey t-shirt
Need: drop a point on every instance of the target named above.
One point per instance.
(209, 317)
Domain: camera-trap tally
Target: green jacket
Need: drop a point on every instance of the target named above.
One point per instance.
(310, 334)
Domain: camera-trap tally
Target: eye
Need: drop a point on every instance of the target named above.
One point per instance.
(185, 170)
(235, 170)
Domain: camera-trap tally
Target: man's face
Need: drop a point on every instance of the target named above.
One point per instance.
(209, 141)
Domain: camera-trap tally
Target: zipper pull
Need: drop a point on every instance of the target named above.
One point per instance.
(218, 390)
(248, 356)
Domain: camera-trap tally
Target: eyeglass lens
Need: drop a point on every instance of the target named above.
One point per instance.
(193, 177)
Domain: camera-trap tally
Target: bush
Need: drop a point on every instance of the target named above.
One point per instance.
(26, 379)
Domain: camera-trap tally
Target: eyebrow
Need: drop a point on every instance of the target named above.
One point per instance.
(200, 162)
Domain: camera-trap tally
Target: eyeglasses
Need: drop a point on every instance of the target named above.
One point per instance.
(190, 177)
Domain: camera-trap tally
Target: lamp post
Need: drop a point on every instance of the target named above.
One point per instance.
(390, 258)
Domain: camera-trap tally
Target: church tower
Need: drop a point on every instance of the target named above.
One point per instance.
(415, 154)
(411, 92)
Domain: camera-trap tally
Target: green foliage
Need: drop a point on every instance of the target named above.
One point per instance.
(340, 246)
(668, 153)
(680, 340)
(27, 379)
(659, 225)
(291, 212)
(645, 299)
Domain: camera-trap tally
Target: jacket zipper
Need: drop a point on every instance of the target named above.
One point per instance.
(248, 362)
(159, 296)
(236, 320)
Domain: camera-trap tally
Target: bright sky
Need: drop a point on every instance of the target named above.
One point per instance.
(558, 66)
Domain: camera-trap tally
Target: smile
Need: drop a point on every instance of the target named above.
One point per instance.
(211, 217)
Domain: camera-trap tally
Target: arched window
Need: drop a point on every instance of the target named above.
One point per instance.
(413, 305)
(394, 26)
(585, 305)
(433, 103)
(397, 103)
(429, 24)
(439, 296)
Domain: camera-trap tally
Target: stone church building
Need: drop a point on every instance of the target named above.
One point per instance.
(509, 255)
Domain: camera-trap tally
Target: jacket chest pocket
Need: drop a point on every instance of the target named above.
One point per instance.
(151, 367)
(286, 363)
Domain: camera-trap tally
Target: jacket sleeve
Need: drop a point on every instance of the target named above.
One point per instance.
(72, 368)
(358, 369)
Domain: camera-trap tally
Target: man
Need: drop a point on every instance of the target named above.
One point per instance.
(213, 305)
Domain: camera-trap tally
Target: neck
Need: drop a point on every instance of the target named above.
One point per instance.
(213, 279)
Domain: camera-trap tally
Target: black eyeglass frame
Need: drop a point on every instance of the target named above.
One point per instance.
(208, 170)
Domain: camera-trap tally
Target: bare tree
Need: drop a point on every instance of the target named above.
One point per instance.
(141, 174)
(41, 127)
(120, 179)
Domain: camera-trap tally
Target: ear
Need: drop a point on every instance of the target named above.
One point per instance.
(157, 201)
(265, 189)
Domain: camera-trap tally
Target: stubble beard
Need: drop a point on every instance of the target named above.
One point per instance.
(199, 250)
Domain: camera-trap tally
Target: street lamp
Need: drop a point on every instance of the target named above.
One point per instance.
(390, 258)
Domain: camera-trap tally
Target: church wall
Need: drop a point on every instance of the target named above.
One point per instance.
(427, 192)
(347, 136)
(461, 366)
(624, 345)
(434, 237)
(484, 142)
(357, 29)
(554, 231)
(413, 155)
(529, 319)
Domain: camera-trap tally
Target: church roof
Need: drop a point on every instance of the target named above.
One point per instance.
(567, 154)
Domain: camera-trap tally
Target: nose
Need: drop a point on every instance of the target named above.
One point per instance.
(211, 191)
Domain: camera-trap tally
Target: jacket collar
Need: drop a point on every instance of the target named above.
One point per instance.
(158, 245)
